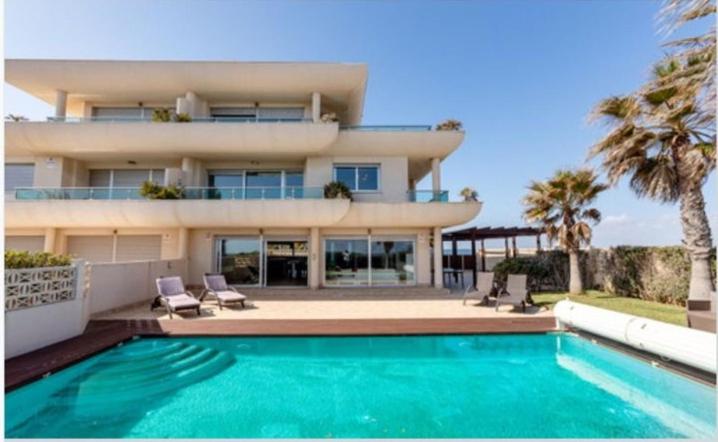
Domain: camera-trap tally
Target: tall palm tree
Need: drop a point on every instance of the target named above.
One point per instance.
(560, 204)
(662, 140)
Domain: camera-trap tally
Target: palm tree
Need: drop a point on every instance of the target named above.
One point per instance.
(665, 143)
(560, 204)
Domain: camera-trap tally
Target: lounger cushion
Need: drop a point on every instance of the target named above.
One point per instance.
(182, 301)
(215, 281)
(170, 286)
(229, 296)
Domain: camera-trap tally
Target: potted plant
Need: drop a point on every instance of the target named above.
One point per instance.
(184, 117)
(154, 191)
(329, 117)
(161, 115)
(469, 194)
(337, 190)
(449, 124)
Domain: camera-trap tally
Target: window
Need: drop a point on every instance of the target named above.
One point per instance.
(258, 184)
(358, 178)
(369, 261)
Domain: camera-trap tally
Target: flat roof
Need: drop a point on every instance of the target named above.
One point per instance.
(342, 85)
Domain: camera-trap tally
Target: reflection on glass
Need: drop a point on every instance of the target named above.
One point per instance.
(392, 262)
(368, 178)
(264, 179)
(346, 262)
(239, 260)
(347, 175)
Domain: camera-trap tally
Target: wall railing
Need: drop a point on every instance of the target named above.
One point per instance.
(191, 193)
(428, 196)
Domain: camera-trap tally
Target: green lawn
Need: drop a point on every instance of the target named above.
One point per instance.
(654, 310)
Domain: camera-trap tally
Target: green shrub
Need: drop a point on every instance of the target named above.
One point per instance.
(449, 124)
(154, 191)
(161, 115)
(183, 118)
(337, 189)
(22, 259)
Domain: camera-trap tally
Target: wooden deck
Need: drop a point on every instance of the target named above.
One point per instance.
(103, 334)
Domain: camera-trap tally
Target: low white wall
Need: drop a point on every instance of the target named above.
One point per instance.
(114, 285)
(35, 327)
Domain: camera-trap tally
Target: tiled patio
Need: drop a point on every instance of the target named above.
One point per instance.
(298, 304)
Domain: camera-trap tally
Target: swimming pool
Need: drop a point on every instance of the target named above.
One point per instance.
(552, 385)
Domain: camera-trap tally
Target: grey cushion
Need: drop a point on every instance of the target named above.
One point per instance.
(228, 296)
(215, 282)
(182, 301)
(170, 285)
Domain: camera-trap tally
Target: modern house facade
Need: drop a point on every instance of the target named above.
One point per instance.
(258, 144)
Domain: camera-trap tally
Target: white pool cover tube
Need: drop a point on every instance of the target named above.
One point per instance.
(689, 346)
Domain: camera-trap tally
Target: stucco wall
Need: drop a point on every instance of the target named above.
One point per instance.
(36, 327)
(115, 285)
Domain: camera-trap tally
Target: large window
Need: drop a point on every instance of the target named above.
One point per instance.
(238, 259)
(364, 261)
(346, 262)
(359, 178)
(258, 184)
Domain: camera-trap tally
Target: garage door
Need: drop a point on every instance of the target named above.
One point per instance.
(91, 248)
(138, 248)
(28, 243)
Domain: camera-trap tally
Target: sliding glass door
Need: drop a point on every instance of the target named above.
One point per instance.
(369, 261)
(238, 259)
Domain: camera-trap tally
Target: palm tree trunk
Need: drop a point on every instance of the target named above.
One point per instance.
(697, 238)
(575, 284)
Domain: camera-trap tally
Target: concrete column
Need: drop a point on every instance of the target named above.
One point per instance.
(316, 106)
(183, 243)
(60, 104)
(435, 174)
(438, 255)
(50, 235)
(191, 172)
(314, 253)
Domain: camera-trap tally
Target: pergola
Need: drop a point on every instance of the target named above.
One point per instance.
(473, 234)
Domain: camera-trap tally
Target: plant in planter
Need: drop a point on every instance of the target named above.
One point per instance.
(449, 125)
(469, 194)
(329, 117)
(154, 191)
(183, 118)
(337, 190)
(161, 115)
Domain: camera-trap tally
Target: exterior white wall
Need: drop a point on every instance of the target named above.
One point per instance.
(22, 333)
(393, 176)
(114, 285)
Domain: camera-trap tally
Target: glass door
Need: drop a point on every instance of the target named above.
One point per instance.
(286, 263)
(238, 259)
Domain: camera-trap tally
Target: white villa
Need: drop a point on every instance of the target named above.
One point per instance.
(262, 141)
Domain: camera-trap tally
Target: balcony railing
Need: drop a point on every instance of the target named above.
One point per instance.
(190, 193)
(193, 120)
(389, 128)
(428, 196)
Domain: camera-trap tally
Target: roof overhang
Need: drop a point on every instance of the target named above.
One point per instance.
(342, 85)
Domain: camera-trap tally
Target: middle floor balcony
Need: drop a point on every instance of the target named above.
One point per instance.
(226, 207)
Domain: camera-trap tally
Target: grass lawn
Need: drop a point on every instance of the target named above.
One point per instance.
(654, 310)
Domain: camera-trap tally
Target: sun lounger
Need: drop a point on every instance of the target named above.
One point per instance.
(216, 285)
(482, 289)
(515, 292)
(172, 294)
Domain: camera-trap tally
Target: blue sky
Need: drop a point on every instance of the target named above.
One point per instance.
(520, 75)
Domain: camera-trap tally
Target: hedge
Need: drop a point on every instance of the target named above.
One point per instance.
(21, 259)
(659, 274)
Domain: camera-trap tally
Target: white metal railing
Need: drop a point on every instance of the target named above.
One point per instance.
(33, 287)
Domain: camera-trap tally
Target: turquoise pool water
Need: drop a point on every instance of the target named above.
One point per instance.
(431, 387)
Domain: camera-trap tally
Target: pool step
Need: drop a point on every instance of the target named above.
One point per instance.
(122, 379)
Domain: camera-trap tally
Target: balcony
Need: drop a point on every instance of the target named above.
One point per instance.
(190, 193)
(229, 137)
